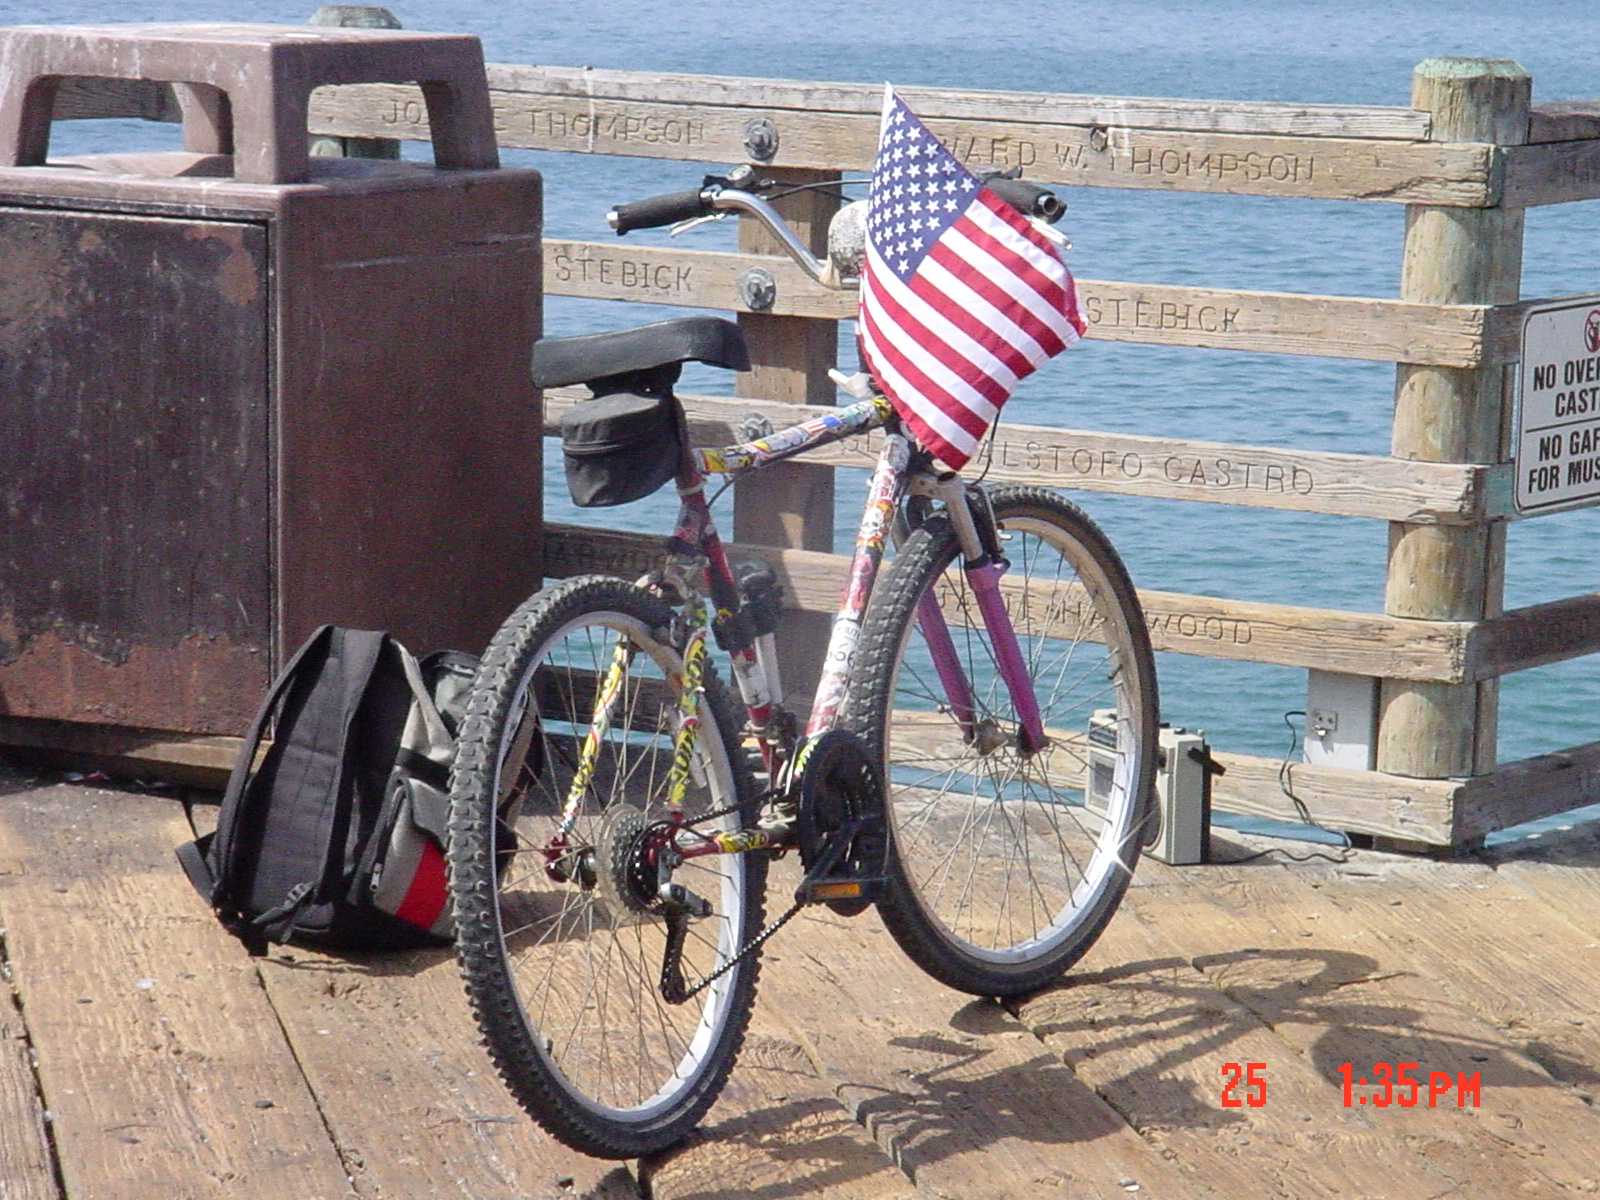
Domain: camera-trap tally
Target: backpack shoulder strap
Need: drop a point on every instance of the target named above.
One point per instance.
(314, 699)
(208, 859)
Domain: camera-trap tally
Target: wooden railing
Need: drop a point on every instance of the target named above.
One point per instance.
(1467, 159)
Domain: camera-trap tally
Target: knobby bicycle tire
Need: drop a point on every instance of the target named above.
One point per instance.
(563, 977)
(1001, 875)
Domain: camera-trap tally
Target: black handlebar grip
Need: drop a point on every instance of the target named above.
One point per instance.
(1029, 199)
(655, 211)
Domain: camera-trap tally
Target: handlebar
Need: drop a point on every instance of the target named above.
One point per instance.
(725, 194)
(656, 211)
(1029, 199)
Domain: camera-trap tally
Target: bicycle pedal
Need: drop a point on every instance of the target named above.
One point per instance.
(841, 892)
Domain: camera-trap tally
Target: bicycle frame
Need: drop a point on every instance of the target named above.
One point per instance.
(698, 569)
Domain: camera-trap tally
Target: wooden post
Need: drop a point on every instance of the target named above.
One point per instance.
(791, 504)
(355, 16)
(1448, 414)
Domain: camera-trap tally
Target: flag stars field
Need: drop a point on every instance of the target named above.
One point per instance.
(961, 296)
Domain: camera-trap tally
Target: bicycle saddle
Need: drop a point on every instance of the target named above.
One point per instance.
(558, 362)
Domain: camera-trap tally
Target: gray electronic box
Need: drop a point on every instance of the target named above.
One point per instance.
(1183, 788)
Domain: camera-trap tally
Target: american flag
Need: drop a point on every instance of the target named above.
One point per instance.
(960, 296)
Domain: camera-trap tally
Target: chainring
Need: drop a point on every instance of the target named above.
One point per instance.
(839, 788)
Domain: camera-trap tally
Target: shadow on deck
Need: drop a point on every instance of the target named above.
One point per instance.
(145, 1055)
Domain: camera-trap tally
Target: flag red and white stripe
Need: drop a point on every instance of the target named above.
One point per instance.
(961, 297)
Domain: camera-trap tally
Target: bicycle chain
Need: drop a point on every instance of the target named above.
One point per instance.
(672, 971)
(673, 990)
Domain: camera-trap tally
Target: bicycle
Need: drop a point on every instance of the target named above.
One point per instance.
(610, 942)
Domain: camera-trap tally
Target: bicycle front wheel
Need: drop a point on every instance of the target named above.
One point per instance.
(1007, 863)
(560, 947)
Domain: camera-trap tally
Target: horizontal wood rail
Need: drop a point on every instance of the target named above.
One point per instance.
(1085, 155)
(1445, 335)
(1567, 120)
(1241, 630)
(1206, 626)
(1369, 802)
(1436, 811)
(1351, 485)
(1534, 637)
(1248, 148)
(1552, 173)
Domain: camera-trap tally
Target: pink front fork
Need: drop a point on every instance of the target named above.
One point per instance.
(983, 573)
(985, 582)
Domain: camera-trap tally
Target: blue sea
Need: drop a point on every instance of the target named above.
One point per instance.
(1317, 51)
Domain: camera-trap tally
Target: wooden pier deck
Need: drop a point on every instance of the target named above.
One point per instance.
(144, 1055)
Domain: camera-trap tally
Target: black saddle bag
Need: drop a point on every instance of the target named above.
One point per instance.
(621, 447)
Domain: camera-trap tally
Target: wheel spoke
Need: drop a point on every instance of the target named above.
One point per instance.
(1003, 873)
(565, 975)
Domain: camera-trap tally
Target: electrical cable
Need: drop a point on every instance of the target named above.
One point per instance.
(1347, 846)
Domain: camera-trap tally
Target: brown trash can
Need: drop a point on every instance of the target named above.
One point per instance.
(244, 392)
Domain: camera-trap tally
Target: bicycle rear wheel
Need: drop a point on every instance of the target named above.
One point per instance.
(1007, 865)
(563, 969)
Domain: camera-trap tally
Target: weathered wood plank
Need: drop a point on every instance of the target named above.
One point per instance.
(956, 1091)
(1432, 811)
(1552, 173)
(391, 1053)
(159, 1056)
(1355, 643)
(1564, 121)
(693, 278)
(26, 1168)
(79, 98)
(1083, 155)
(1391, 806)
(1557, 871)
(1335, 993)
(1526, 790)
(777, 1132)
(1283, 323)
(1151, 314)
(454, 1130)
(1533, 636)
(1418, 810)
(85, 99)
(1138, 1022)
(1206, 116)
(1471, 930)
(1351, 485)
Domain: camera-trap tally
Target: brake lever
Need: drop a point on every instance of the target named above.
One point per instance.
(1053, 235)
(685, 226)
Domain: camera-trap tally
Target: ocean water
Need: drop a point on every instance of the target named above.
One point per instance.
(1353, 51)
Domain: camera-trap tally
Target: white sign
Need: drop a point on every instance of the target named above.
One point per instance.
(1558, 430)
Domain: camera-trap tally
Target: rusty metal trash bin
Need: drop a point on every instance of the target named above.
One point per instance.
(244, 391)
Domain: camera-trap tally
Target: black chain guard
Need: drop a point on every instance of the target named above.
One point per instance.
(842, 835)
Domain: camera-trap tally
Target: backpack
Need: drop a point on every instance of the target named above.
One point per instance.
(337, 837)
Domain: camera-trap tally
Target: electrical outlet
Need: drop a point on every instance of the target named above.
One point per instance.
(1341, 720)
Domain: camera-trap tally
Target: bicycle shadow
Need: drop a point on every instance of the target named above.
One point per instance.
(1180, 1026)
